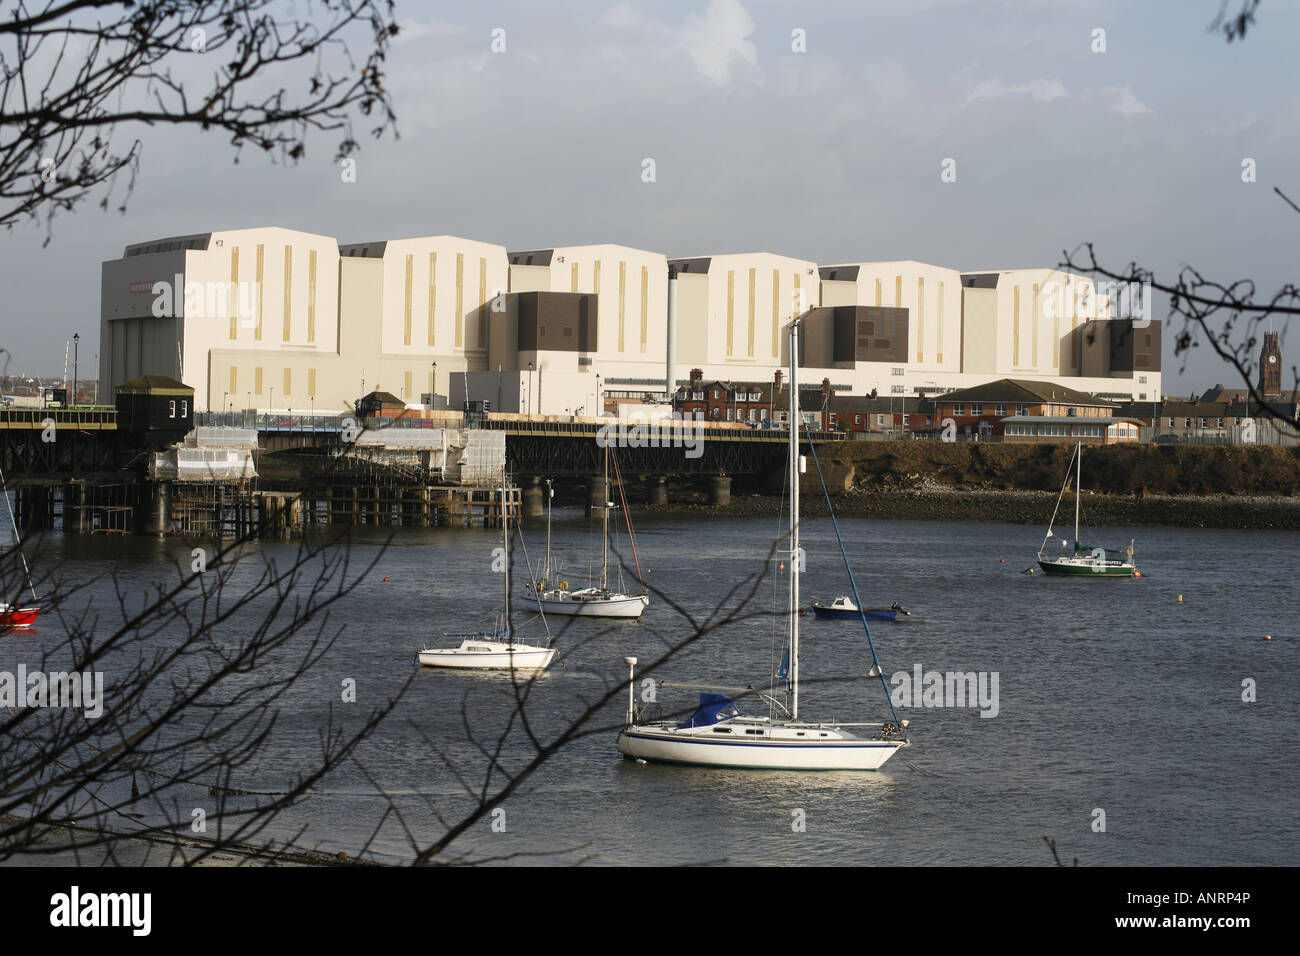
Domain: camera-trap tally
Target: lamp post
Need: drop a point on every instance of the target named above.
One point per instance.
(76, 348)
(528, 405)
(433, 387)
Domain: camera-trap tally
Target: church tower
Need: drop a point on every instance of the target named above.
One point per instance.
(1270, 366)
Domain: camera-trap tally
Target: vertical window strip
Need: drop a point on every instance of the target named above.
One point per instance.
(235, 297)
(288, 291)
(460, 299)
(645, 306)
(749, 344)
(311, 297)
(433, 294)
(406, 309)
(483, 303)
(261, 271)
(622, 302)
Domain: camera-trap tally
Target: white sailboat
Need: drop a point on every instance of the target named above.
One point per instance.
(1083, 560)
(599, 601)
(496, 650)
(717, 734)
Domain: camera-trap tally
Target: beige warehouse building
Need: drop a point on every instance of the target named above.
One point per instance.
(276, 318)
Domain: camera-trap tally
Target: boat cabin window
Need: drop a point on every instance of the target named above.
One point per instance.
(722, 730)
(759, 732)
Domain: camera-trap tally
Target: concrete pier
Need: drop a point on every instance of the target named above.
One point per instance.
(534, 498)
(656, 490)
(720, 491)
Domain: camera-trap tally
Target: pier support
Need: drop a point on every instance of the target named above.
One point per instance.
(76, 520)
(656, 490)
(720, 491)
(153, 508)
(534, 500)
(33, 508)
(597, 496)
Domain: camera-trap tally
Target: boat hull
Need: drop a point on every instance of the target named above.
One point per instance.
(871, 614)
(488, 655)
(1084, 567)
(19, 616)
(573, 604)
(852, 753)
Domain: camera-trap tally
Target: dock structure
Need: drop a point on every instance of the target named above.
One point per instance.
(147, 466)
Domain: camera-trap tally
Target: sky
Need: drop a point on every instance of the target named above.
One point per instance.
(833, 152)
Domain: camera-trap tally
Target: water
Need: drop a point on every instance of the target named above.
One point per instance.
(1113, 696)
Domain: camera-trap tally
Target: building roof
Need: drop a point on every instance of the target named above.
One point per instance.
(841, 273)
(154, 385)
(979, 280)
(1066, 420)
(1023, 391)
(531, 257)
(691, 266)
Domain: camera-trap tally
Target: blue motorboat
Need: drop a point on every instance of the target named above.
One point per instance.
(843, 607)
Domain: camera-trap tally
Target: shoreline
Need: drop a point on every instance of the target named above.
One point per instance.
(940, 503)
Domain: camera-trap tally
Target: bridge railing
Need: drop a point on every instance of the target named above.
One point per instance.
(93, 417)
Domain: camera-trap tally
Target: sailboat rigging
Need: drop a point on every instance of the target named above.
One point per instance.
(11, 616)
(1083, 559)
(498, 649)
(599, 601)
(717, 734)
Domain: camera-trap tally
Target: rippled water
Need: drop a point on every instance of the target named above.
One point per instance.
(1113, 696)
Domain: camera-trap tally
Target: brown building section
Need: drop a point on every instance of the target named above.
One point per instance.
(870, 334)
(1134, 348)
(556, 322)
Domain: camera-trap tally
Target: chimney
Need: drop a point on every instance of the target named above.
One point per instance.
(826, 386)
(777, 379)
(696, 375)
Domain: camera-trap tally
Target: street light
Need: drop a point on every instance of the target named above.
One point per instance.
(76, 347)
(433, 388)
(528, 404)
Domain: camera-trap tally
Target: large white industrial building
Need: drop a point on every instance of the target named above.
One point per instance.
(272, 318)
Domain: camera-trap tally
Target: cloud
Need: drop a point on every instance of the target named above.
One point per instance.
(1125, 103)
(1041, 90)
(716, 40)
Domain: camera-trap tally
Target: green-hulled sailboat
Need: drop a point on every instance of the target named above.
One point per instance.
(1083, 560)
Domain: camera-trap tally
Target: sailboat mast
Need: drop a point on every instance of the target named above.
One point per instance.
(794, 519)
(604, 530)
(1078, 490)
(505, 545)
(546, 572)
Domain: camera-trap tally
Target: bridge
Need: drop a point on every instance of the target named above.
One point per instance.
(80, 455)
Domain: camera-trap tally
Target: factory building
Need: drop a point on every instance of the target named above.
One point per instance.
(274, 318)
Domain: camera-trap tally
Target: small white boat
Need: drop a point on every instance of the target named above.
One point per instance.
(602, 601)
(497, 650)
(717, 734)
(592, 602)
(488, 652)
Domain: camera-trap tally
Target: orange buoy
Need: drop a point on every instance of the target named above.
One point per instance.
(1180, 599)
(1268, 637)
(1002, 561)
(1137, 574)
(385, 579)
